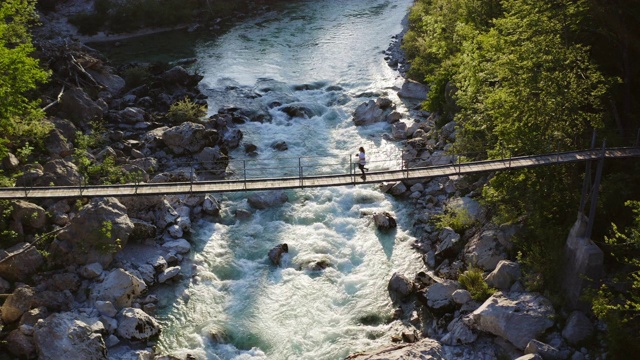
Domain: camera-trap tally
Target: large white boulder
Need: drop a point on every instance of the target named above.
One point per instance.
(516, 317)
(119, 287)
(505, 274)
(485, 250)
(425, 349)
(135, 324)
(68, 336)
(265, 200)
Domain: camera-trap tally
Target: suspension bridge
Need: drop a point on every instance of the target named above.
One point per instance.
(303, 175)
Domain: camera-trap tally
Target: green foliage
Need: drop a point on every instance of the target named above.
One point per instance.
(186, 110)
(529, 88)
(24, 152)
(457, 219)
(106, 244)
(438, 30)
(136, 76)
(8, 237)
(20, 74)
(620, 308)
(473, 281)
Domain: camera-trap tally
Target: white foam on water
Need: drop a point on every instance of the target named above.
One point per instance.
(236, 304)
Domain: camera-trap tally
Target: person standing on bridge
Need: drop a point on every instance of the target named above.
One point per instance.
(362, 161)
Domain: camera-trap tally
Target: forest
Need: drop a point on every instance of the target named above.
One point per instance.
(531, 76)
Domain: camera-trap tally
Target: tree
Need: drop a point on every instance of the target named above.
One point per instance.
(433, 42)
(526, 85)
(618, 303)
(20, 74)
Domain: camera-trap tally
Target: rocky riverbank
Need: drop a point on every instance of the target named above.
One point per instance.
(81, 290)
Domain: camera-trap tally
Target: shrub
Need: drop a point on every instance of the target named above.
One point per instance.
(458, 219)
(473, 281)
(136, 76)
(186, 110)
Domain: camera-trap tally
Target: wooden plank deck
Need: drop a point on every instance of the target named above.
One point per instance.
(142, 189)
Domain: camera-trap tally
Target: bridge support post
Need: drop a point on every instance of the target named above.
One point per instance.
(244, 173)
(594, 191)
(191, 180)
(300, 172)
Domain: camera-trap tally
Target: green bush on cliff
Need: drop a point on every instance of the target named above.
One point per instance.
(619, 304)
(20, 75)
(186, 110)
(473, 281)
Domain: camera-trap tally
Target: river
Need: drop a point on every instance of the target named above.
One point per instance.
(232, 303)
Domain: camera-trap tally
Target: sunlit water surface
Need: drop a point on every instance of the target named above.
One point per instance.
(232, 302)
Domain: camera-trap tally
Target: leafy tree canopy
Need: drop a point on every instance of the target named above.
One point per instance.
(20, 73)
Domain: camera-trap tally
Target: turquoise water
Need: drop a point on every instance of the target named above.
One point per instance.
(326, 56)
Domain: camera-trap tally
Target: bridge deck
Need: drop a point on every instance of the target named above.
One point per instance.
(313, 181)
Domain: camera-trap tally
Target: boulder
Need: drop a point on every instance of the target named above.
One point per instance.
(384, 221)
(213, 159)
(80, 108)
(279, 145)
(10, 162)
(211, 206)
(530, 357)
(275, 254)
(371, 112)
(515, 317)
(142, 230)
(135, 324)
(484, 250)
(461, 296)
(505, 274)
(20, 345)
(168, 274)
(448, 244)
(578, 328)
(413, 90)
(178, 75)
(99, 230)
(583, 265)
(439, 296)
(264, 200)
(119, 287)
(19, 302)
(54, 300)
(111, 82)
(425, 349)
(399, 287)
(68, 336)
(189, 138)
(30, 176)
(64, 281)
(398, 189)
(459, 333)
(59, 172)
(106, 308)
(20, 262)
(57, 144)
(132, 115)
(231, 138)
(399, 130)
(31, 317)
(91, 271)
(547, 351)
(178, 246)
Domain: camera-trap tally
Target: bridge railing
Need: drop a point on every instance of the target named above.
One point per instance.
(393, 159)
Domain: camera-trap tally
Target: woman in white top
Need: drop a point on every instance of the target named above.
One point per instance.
(362, 161)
